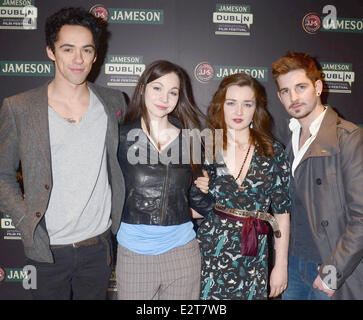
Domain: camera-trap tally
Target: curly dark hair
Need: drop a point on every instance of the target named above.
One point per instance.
(71, 16)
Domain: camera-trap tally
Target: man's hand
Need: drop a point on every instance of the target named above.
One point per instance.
(318, 284)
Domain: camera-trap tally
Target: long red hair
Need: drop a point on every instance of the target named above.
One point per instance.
(260, 134)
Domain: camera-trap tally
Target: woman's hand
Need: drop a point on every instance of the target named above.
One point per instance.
(278, 277)
(278, 280)
(202, 183)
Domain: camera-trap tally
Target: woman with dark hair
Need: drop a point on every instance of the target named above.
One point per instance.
(158, 256)
(248, 177)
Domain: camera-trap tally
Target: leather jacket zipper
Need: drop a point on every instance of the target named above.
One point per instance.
(164, 195)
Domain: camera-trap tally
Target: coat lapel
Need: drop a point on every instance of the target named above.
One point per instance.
(40, 123)
(326, 141)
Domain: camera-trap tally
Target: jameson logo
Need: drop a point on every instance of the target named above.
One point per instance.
(18, 14)
(26, 275)
(26, 68)
(259, 73)
(233, 19)
(312, 23)
(204, 72)
(17, 3)
(136, 16)
(350, 25)
(338, 77)
(15, 274)
(124, 70)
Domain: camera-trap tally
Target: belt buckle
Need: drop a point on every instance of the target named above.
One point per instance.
(255, 214)
(75, 245)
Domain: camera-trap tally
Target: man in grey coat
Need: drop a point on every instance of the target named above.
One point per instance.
(326, 154)
(64, 135)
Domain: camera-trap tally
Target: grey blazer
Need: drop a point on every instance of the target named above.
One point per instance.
(24, 139)
(330, 180)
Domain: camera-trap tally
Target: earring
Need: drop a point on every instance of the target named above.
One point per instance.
(251, 125)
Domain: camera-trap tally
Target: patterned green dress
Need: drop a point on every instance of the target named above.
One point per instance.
(226, 274)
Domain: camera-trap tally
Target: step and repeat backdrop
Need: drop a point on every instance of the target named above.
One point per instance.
(210, 39)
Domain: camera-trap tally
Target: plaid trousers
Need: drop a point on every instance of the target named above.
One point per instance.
(173, 275)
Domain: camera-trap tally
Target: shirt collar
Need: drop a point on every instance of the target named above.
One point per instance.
(294, 124)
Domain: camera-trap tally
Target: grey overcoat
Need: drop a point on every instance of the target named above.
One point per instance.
(329, 180)
(24, 138)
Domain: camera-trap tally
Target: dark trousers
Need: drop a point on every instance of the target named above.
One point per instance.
(81, 273)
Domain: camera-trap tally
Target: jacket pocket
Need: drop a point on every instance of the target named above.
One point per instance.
(140, 203)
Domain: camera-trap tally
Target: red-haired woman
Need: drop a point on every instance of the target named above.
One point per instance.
(249, 177)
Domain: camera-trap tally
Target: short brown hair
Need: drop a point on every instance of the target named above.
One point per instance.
(293, 61)
(260, 135)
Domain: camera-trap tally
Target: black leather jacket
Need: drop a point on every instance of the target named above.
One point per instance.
(158, 191)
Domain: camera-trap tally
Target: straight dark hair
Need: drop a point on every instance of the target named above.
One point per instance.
(185, 111)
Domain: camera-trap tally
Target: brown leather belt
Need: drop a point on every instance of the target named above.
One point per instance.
(239, 213)
(90, 242)
(253, 226)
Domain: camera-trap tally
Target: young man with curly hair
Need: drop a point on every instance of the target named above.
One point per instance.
(64, 134)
